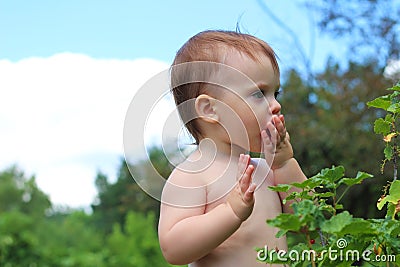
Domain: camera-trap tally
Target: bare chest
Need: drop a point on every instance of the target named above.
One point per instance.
(254, 231)
(239, 248)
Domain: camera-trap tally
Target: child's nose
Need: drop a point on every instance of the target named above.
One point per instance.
(274, 106)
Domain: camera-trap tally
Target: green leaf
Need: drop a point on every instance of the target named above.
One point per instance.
(333, 174)
(309, 183)
(394, 108)
(395, 88)
(280, 188)
(308, 213)
(281, 233)
(397, 260)
(382, 126)
(292, 196)
(286, 221)
(306, 195)
(388, 151)
(339, 206)
(386, 227)
(327, 208)
(325, 195)
(394, 95)
(389, 118)
(359, 226)
(336, 223)
(393, 197)
(395, 189)
(382, 202)
(382, 102)
(357, 180)
(391, 210)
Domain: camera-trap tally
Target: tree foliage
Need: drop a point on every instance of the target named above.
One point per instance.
(318, 213)
(21, 205)
(117, 199)
(371, 26)
(32, 233)
(330, 124)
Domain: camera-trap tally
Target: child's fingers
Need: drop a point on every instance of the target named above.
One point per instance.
(273, 133)
(246, 179)
(245, 172)
(242, 164)
(246, 159)
(269, 138)
(282, 118)
(280, 127)
(269, 147)
(249, 194)
(265, 139)
(240, 170)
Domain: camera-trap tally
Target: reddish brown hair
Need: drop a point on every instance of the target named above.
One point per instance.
(210, 46)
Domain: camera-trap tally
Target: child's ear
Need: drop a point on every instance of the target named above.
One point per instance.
(205, 108)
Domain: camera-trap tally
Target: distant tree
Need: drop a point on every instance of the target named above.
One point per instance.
(22, 208)
(330, 124)
(371, 27)
(18, 243)
(20, 193)
(117, 199)
(33, 234)
(70, 239)
(325, 110)
(135, 244)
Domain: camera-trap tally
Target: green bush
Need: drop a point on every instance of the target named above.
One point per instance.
(325, 234)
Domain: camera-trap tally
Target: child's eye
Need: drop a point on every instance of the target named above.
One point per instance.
(258, 94)
(277, 93)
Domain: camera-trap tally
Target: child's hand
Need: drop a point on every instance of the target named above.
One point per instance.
(276, 142)
(241, 198)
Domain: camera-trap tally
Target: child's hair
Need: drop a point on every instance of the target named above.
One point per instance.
(209, 46)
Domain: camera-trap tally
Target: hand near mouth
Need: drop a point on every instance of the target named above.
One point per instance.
(276, 142)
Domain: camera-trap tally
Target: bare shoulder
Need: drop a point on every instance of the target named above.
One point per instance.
(185, 187)
(183, 196)
(184, 175)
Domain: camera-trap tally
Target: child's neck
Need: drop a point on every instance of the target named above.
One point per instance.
(220, 149)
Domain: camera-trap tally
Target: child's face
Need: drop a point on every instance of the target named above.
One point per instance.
(252, 100)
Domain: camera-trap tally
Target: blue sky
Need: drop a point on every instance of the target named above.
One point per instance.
(69, 69)
(128, 29)
(110, 29)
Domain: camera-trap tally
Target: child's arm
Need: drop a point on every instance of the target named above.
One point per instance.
(279, 150)
(289, 173)
(188, 234)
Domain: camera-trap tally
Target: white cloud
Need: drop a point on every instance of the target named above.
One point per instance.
(392, 70)
(61, 118)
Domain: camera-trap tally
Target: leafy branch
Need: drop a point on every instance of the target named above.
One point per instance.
(320, 220)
